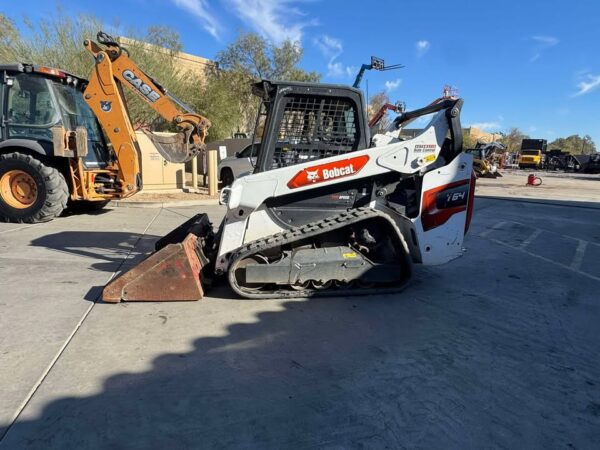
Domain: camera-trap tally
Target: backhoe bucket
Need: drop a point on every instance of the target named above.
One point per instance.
(175, 148)
(172, 273)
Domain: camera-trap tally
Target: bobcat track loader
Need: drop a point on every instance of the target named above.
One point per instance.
(326, 211)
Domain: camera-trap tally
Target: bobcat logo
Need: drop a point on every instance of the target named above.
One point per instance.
(312, 175)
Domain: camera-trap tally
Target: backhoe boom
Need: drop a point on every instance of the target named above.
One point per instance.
(104, 94)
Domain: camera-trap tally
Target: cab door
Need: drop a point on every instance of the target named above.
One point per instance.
(3, 80)
(31, 110)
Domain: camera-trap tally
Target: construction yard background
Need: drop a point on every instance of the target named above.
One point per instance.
(498, 349)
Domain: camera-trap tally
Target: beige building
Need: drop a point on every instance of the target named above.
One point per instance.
(482, 136)
(187, 61)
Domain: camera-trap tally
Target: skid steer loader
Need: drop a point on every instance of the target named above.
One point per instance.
(328, 210)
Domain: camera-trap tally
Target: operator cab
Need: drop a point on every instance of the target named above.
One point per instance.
(34, 99)
(300, 122)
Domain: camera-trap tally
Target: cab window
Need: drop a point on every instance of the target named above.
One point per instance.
(247, 152)
(30, 102)
(75, 111)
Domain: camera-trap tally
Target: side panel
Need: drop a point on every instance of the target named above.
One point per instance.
(445, 201)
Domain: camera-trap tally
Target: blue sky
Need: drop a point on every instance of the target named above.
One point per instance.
(530, 64)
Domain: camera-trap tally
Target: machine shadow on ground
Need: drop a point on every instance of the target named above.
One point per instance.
(494, 350)
(410, 371)
(77, 210)
(297, 377)
(112, 248)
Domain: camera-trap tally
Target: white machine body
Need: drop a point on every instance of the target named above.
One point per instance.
(434, 236)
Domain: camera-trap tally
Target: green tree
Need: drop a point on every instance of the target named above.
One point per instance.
(251, 58)
(224, 95)
(58, 42)
(575, 144)
(512, 140)
(217, 101)
(8, 32)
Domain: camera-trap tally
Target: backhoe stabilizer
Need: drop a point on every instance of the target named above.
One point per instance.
(179, 269)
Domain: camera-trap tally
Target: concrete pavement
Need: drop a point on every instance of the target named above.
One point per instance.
(497, 349)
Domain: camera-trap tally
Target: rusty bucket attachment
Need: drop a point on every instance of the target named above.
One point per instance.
(174, 272)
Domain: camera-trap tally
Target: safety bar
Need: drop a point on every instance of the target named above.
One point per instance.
(452, 107)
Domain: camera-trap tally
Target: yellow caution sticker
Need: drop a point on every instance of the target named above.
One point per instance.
(349, 255)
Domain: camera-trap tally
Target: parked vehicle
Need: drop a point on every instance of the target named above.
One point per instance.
(242, 163)
(532, 153)
(486, 158)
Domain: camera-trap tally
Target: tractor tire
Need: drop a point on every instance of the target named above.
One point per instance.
(30, 191)
(227, 177)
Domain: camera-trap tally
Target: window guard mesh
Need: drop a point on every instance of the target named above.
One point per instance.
(315, 127)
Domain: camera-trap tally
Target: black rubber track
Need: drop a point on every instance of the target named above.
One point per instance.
(314, 229)
(53, 191)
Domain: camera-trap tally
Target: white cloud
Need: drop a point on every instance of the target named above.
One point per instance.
(587, 84)
(329, 46)
(393, 85)
(550, 41)
(274, 19)
(486, 126)
(422, 47)
(337, 69)
(199, 9)
(332, 48)
(542, 43)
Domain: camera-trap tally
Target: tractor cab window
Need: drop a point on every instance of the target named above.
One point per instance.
(76, 112)
(31, 110)
(315, 127)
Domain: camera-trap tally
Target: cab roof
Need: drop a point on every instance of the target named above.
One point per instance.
(43, 70)
(264, 88)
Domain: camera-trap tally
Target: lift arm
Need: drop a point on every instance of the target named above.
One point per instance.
(104, 94)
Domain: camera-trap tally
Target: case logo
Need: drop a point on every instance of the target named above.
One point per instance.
(142, 87)
(329, 171)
